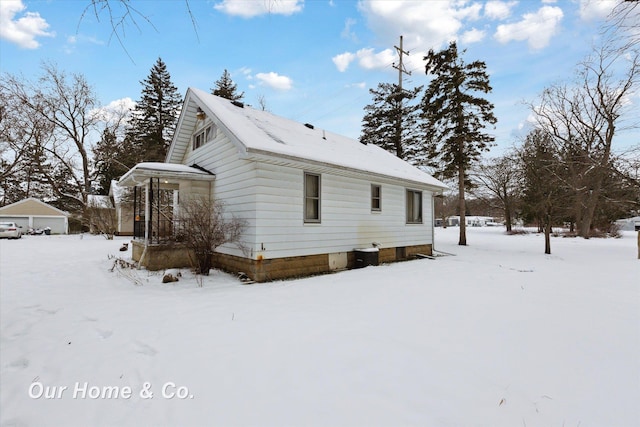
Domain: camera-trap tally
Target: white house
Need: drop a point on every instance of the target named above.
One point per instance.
(309, 197)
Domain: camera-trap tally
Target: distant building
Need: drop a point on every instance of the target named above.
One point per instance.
(36, 214)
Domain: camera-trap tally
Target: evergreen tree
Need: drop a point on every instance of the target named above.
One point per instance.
(454, 118)
(155, 116)
(543, 190)
(391, 122)
(226, 88)
(109, 156)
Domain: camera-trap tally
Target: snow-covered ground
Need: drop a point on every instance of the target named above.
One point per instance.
(497, 335)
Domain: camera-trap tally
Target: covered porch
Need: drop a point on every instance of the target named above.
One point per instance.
(157, 191)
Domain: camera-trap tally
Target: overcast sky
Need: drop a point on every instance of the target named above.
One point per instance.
(312, 61)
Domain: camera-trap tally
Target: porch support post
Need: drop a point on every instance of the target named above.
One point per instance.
(147, 213)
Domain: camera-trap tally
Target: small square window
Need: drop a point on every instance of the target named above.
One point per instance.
(376, 197)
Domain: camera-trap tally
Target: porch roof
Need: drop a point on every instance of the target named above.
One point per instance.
(170, 172)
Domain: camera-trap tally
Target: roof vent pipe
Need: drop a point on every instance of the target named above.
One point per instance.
(324, 136)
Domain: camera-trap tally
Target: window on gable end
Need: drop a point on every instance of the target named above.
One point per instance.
(206, 134)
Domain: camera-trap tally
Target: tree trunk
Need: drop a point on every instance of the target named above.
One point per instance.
(507, 214)
(547, 235)
(461, 203)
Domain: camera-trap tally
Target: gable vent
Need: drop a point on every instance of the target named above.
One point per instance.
(309, 125)
(238, 104)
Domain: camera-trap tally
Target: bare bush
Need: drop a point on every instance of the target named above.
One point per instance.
(101, 219)
(204, 227)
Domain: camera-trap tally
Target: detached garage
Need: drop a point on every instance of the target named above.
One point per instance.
(33, 213)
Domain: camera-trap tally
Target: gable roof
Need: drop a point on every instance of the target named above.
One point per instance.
(258, 133)
(31, 206)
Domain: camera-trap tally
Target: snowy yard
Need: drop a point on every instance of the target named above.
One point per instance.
(497, 335)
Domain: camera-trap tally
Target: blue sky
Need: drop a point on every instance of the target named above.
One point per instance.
(312, 61)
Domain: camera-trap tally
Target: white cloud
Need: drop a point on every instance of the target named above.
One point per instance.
(22, 31)
(367, 59)
(471, 12)
(275, 80)
(116, 111)
(246, 72)
(361, 85)
(347, 33)
(251, 8)
(537, 28)
(472, 36)
(495, 9)
(370, 60)
(424, 24)
(343, 60)
(73, 41)
(596, 9)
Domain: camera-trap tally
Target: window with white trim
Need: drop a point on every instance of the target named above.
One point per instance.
(414, 207)
(208, 133)
(311, 197)
(376, 198)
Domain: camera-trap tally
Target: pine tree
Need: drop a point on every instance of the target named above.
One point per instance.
(391, 121)
(226, 88)
(455, 118)
(155, 115)
(109, 157)
(543, 190)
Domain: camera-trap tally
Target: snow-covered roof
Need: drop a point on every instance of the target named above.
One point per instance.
(116, 191)
(260, 133)
(142, 171)
(27, 205)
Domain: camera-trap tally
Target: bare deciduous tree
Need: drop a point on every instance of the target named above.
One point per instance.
(121, 14)
(582, 121)
(205, 226)
(21, 135)
(65, 106)
(499, 179)
(623, 25)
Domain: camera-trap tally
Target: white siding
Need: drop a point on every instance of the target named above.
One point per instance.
(270, 198)
(347, 221)
(233, 184)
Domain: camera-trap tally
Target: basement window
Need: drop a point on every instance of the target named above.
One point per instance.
(205, 135)
(414, 207)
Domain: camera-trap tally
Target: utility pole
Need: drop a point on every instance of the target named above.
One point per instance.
(400, 66)
(401, 70)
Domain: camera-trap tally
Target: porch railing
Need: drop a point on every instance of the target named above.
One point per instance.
(160, 230)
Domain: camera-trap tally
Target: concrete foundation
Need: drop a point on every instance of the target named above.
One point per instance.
(159, 257)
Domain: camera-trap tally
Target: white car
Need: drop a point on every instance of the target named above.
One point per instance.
(10, 230)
